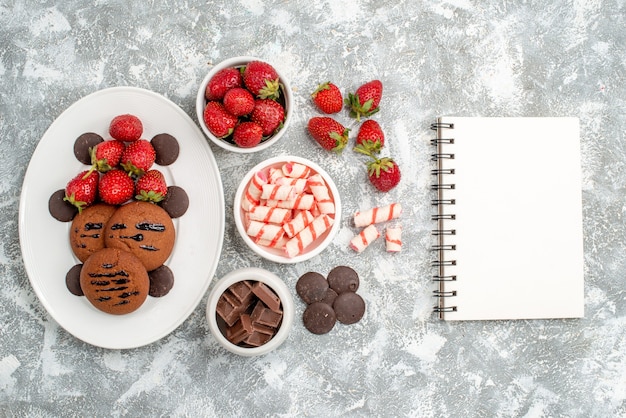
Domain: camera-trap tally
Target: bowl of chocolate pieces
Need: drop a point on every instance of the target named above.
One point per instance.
(250, 311)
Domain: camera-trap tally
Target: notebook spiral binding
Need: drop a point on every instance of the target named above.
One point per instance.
(441, 186)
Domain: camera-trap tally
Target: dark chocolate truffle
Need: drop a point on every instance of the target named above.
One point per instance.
(82, 145)
(343, 279)
(72, 280)
(311, 287)
(166, 148)
(60, 209)
(319, 318)
(349, 307)
(176, 201)
(161, 281)
(330, 297)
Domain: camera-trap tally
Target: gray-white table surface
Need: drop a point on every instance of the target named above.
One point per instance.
(458, 57)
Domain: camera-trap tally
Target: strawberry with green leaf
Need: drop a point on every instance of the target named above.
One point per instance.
(327, 97)
(262, 80)
(364, 102)
(370, 139)
(116, 187)
(383, 173)
(218, 120)
(269, 114)
(81, 191)
(151, 187)
(138, 157)
(106, 155)
(329, 133)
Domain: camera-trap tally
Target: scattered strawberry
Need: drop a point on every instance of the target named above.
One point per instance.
(223, 80)
(329, 133)
(81, 191)
(248, 134)
(384, 173)
(364, 102)
(238, 101)
(269, 114)
(370, 139)
(219, 122)
(106, 155)
(126, 128)
(262, 80)
(116, 187)
(327, 97)
(138, 157)
(151, 187)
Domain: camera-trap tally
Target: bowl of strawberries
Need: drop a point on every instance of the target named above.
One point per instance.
(244, 104)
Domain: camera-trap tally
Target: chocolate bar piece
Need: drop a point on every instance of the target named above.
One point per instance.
(260, 335)
(230, 307)
(240, 330)
(264, 316)
(242, 290)
(267, 296)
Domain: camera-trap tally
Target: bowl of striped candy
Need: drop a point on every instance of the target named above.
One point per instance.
(287, 209)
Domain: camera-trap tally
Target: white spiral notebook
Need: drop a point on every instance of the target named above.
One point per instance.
(508, 216)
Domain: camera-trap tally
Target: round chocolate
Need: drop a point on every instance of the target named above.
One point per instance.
(311, 287)
(166, 148)
(349, 307)
(161, 281)
(319, 318)
(343, 279)
(82, 145)
(60, 209)
(72, 280)
(176, 201)
(330, 297)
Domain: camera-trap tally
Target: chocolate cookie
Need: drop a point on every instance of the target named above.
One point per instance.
(87, 230)
(144, 229)
(319, 318)
(343, 279)
(176, 201)
(349, 307)
(61, 209)
(114, 281)
(166, 148)
(161, 281)
(311, 287)
(83, 144)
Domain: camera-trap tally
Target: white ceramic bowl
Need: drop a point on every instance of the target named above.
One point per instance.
(275, 254)
(286, 97)
(252, 274)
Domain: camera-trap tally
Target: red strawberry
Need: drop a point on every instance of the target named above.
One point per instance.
(248, 134)
(218, 121)
(370, 138)
(364, 102)
(106, 155)
(269, 114)
(329, 133)
(81, 191)
(138, 157)
(126, 128)
(384, 174)
(116, 187)
(327, 97)
(238, 101)
(223, 80)
(151, 187)
(261, 79)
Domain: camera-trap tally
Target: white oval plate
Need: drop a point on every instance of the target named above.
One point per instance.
(199, 232)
